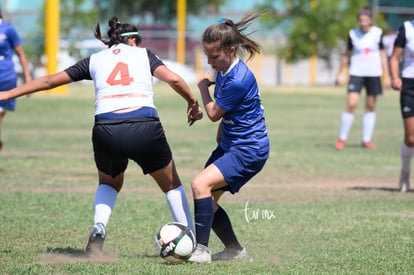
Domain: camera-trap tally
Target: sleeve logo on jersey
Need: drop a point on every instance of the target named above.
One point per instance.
(116, 51)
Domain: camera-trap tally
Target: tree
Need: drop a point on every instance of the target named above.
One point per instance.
(163, 11)
(75, 15)
(314, 27)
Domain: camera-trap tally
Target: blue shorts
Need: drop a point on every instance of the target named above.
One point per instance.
(10, 104)
(238, 165)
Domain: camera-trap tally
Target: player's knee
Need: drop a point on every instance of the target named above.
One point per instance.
(350, 108)
(199, 188)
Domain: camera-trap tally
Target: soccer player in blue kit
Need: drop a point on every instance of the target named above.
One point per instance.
(243, 144)
(404, 49)
(127, 125)
(10, 43)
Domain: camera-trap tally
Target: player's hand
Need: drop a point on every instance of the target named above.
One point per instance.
(194, 113)
(396, 84)
(205, 82)
(337, 81)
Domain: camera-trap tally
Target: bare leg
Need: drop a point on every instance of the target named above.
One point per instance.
(169, 182)
(2, 115)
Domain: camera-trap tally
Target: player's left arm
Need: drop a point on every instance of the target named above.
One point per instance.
(194, 112)
(219, 132)
(23, 62)
(46, 82)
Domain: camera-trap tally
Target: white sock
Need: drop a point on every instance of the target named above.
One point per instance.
(178, 203)
(407, 154)
(346, 122)
(368, 123)
(105, 198)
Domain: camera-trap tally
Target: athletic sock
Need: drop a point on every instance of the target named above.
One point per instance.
(407, 154)
(203, 217)
(346, 122)
(178, 203)
(105, 198)
(368, 124)
(224, 230)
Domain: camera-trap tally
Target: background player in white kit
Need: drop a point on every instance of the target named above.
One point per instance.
(404, 48)
(367, 63)
(126, 120)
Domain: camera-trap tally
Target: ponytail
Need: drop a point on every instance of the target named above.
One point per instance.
(231, 34)
(118, 33)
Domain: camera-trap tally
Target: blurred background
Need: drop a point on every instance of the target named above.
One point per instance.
(302, 40)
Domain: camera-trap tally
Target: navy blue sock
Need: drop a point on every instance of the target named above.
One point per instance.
(224, 230)
(203, 218)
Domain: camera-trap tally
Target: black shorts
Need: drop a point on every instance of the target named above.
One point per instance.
(141, 140)
(407, 98)
(371, 84)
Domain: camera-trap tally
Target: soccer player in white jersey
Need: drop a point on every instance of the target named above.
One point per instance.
(367, 63)
(126, 120)
(243, 143)
(404, 49)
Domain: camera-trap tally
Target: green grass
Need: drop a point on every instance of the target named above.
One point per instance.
(319, 211)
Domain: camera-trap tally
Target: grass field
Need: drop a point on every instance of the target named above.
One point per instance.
(312, 210)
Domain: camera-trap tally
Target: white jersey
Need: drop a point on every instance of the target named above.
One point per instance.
(405, 40)
(366, 57)
(122, 78)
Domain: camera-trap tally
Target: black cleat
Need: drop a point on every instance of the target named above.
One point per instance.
(96, 239)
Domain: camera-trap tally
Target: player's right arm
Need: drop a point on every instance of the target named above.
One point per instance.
(397, 53)
(345, 60)
(344, 64)
(76, 72)
(46, 82)
(396, 56)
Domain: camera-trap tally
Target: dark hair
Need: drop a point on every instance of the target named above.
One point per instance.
(118, 33)
(365, 11)
(232, 34)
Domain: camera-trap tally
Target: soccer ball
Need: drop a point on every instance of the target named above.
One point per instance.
(175, 242)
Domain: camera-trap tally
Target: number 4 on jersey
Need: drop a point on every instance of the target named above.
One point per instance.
(120, 75)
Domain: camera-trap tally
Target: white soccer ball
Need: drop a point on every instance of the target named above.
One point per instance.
(175, 242)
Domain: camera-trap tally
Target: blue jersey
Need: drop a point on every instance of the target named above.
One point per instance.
(9, 39)
(243, 123)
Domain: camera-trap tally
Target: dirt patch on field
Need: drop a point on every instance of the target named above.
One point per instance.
(404, 215)
(33, 154)
(61, 256)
